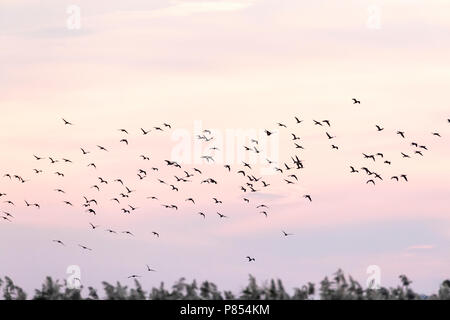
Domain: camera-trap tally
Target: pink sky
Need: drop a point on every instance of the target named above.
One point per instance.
(228, 66)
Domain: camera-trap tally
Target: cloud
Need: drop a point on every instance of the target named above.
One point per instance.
(421, 247)
(186, 8)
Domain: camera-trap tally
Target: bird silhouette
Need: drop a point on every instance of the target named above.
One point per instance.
(67, 123)
(150, 269)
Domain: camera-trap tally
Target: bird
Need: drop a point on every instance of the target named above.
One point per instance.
(436, 134)
(102, 148)
(85, 248)
(150, 269)
(93, 226)
(133, 276)
(317, 123)
(8, 214)
(125, 141)
(369, 156)
(379, 128)
(286, 234)
(404, 177)
(355, 101)
(247, 165)
(155, 234)
(307, 196)
(268, 133)
(334, 147)
(144, 132)
(353, 170)
(123, 130)
(102, 180)
(59, 242)
(405, 155)
(222, 215)
(329, 136)
(67, 123)
(84, 151)
(250, 259)
(401, 133)
(37, 171)
(202, 214)
(207, 158)
(370, 181)
(394, 178)
(298, 120)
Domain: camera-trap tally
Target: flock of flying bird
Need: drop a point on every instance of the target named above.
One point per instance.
(251, 183)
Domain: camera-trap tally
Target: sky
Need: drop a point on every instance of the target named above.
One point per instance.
(235, 68)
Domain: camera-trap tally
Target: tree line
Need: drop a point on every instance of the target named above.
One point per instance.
(337, 287)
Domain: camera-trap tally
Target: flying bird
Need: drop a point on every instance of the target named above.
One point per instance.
(59, 242)
(150, 269)
(67, 123)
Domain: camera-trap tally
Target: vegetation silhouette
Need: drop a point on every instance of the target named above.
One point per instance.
(339, 287)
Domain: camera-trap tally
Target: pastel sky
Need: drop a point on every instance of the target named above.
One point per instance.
(229, 66)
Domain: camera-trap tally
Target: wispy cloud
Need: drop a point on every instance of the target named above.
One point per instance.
(185, 8)
(421, 247)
